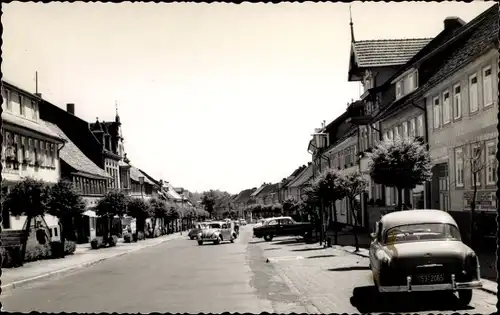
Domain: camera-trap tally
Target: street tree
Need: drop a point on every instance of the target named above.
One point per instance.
(208, 201)
(329, 189)
(355, 185)
(277, 209)
(159, 211)
(403, 163)
(173, 214)
(113, 204)
(140, 211)
(67, 205)
(30, 198)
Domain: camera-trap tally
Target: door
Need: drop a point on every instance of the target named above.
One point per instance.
(226, 231)
(286, 226)
(375, 246)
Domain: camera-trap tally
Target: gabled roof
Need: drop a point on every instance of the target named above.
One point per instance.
(268, 189)
(303, 177)
(74, 157)
(258, 190)
(473, 39)
(150, 177)
(135, 173)
(244, 195)
(386, 52)
(171, 193)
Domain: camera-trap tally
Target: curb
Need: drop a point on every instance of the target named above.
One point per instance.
(19, 283)
(483, 288)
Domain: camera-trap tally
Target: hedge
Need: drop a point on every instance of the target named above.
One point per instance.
(11, 256)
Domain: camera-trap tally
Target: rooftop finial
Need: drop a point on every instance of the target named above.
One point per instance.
(351, 24)
(117, 117)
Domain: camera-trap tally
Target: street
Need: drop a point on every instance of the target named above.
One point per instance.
(180, 276)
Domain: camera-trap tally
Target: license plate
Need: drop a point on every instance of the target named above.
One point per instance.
(431, 278)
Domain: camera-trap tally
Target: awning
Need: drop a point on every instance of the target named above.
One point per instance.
(90, 213)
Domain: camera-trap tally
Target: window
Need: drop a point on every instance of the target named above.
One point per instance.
(491, 166)
(457, 102)
(31, 150)
(24, 153)
(386, 135)
(399, 89)
(437, 112)
(487, 87)
(375, 134)
(420, 126)
(459, 168)
(396, 132)
(411, 82)
(6, 98)
(473, 93)
(412, 128)
(405, 129)
(477, 163)
(390, 135)
(446, 108)
(22, 103)
(34, 106)
(14, 99)
(52, 155)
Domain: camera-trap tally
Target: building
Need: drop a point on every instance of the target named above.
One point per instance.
(88, 180)
(461, 98)
(141, 185)
(242, 201)
(295, 188)
(283, 185)
(266, 195)
(29, 149)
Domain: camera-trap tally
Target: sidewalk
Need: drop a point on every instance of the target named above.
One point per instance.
(82, 257)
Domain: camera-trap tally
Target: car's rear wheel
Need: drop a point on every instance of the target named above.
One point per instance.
(465, 296)
(268, 238)
(200, 242)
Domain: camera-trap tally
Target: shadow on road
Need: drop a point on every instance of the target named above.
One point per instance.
(307, 249)
(289, 242)
(321, 256)
(256, 242)
(369, 300)
(274, 248)
(351, 268)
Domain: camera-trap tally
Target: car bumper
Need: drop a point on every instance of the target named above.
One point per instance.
(453, 286)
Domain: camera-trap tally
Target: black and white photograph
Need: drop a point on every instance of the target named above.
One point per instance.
(314, 157)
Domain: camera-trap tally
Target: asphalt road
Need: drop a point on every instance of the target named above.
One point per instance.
(180, 276)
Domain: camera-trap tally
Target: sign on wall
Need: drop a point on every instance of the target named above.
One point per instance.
(485, 200)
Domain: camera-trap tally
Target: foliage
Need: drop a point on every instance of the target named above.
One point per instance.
(354, 184)
(113, 240)
(11, 256)
(57, 249)
(208, 201)
(158, 208)
(138, 208)
(401, 163)
(127, 238)
(277, 208)
(97, 242)
(28, 197)
(113, 203)
(64, 201)
(329, 185)
(140, 236)
(69, 247)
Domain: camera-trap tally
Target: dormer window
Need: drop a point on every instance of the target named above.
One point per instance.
(399, 89)
(407, 84)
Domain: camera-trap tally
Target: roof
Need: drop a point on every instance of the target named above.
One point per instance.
(135, 173)
(303, 177)
(386, 52)
(40, 128)
(473, 39)
(258, 190)
(244, 195)
(171, 193)
(268, 189)
(74, 157)
(404, 217)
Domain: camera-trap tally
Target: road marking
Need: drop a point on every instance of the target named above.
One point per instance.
(274, 259)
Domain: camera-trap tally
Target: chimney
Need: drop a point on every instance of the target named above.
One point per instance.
(39, 95)
(70, 108)
(453, 22)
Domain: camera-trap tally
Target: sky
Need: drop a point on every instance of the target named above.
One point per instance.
(210, 96)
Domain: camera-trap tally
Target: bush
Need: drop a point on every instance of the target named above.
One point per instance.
(127, 238)
(57, 249)
(140, 236)
(147, 234)
(36, 252)
(157, 233)
(97, 243)
(113, 240)
(69, 247)
(134, 237)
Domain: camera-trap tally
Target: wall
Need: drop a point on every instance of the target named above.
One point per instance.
(476, 127)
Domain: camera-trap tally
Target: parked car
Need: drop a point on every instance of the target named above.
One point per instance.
(242, 222)
(217, 232)
(421, 250)
(260, 222)
(282, 226)
(193, 233)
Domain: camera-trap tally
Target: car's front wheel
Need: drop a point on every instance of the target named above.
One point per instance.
(217, 242)
(465, 296)
(200, 242)
(268, 238)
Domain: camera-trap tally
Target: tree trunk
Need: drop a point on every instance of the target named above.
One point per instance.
(24, 240)
(354, 229)
(473, 211)
(400, 199)
(322, 224)
(335, 235)
(61, 226)
(153, 226)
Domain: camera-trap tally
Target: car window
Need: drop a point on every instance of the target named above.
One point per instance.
(272, 222)
(224, 226)
(215, 226)
(286, 221)
(421, 232)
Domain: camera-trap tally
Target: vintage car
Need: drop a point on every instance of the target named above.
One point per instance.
(217, 232)
(193, 233)
(421, 250)
(282, 226)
